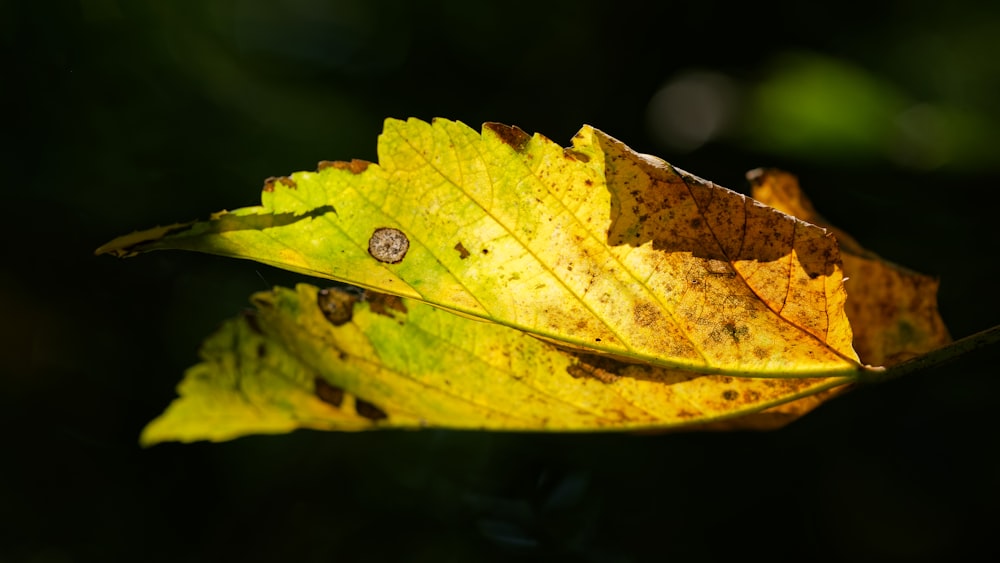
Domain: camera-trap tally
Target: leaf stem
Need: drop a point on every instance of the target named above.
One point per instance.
(935, 358)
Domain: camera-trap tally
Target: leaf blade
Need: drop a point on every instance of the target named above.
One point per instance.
(409, 365)
(594, 247)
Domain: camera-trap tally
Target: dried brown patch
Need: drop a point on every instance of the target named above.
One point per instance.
(463, 253)
(283, 180)
(513, 136)
(384, 304)
(329, 394)
(368, 410)
(336, 305)
(355, 166)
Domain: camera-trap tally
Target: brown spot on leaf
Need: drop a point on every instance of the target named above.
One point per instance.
(269, 183)
(283, 180)
(383, 303)
(337, 306)
(327, 393)
(261, 350)
(355, 166)
(388, 245)
(463, 253)
(368, 410)
(513, 136)
(576, 155)
(730, 395)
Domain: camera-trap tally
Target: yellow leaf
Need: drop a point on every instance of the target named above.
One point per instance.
(594, 247)
(893, 310)
(325, 360)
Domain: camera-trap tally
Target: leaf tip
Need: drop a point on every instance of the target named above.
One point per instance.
(132, 244)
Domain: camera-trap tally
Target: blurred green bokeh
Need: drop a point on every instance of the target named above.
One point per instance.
(124, 114)
(825, 110)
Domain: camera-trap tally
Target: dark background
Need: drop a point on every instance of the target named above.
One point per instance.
(122, 115)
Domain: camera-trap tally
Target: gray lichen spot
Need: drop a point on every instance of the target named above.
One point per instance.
(388, 245)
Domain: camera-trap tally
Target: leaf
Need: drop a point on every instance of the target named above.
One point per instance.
(595, 247)
(893, 310)
(329, 360)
